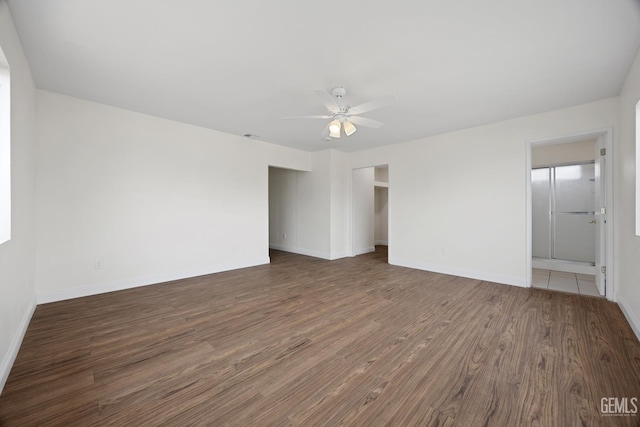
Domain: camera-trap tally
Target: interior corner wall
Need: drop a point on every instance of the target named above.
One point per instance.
(309, 212)
(17, 256)
(299, 219)
(381, 174)
(458, 200)
(340, 211)
(381, 216)
(126, 199)
(626, 242)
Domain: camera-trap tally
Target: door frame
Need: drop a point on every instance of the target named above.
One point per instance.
(351, 201)
(606, 135)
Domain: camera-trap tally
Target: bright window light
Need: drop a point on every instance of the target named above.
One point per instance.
(541, 174)
(568, 172)
(638, 169)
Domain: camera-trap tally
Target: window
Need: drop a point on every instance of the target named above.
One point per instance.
(638, 169)
(5, 151)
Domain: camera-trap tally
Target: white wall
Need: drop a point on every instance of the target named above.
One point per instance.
(126, 199)
(381, 236)
(340, 205)
(311, 207)
(17, 256)
(304, 205)
(363, 211)
(459, 203)
(627, 244)
(5, 149)
(314, 194)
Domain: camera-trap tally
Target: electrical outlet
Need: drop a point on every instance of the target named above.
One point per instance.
(443, 250)
(97, 264)
(284, 236)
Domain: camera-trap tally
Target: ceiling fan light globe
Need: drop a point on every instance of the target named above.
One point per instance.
(334, 129)
(349, 128)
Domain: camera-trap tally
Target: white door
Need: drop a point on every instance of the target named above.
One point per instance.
(600, 215)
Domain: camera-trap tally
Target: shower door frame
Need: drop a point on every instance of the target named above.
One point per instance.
(553, 212)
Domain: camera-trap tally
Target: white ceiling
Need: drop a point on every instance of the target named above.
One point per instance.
(240, 66)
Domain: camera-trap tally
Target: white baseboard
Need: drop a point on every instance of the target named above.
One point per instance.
(381, 242)
(299, 251)
(14, 347)
(315, 254)
(631, 318)
(471, 274)
(340, 255)
(134, 282)
(361, 251)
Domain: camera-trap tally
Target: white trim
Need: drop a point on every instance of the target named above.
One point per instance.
(631, 318)
(339, 255)
(135, 282)
(14, 347)
(306, 252)
(609, 249)
(607, 134)
(381, 242)
(361, 251)
(528, 238)
(471, 274)
(567, 267)
(299, 251)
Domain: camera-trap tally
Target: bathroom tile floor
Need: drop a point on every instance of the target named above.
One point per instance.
(583, 284)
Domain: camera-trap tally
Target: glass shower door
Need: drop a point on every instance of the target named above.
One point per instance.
(563, 220)
(541, 215)
(573, 214)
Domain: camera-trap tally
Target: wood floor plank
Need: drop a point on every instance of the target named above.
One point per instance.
(305, 341)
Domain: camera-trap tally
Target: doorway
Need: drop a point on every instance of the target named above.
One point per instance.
(286, 207)
(370, 210)
(568, 194)
(381, 205)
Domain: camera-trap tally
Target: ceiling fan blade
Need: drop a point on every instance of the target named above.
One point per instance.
(363, 121)
(308, 117)
(325, 131)
(328, 100)
(372, 105)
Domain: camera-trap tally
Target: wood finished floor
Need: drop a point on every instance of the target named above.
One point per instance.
(308, 342)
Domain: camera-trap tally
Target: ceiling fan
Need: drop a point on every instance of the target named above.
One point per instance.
(343, 117)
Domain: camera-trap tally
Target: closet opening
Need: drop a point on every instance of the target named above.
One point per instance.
(370, 211)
